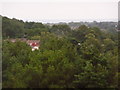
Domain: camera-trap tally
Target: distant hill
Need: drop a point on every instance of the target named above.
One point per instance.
(110, 26)
(101, 25)
(118, 25)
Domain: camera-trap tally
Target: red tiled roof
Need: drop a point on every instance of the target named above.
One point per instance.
(34, 44)
(29, 42)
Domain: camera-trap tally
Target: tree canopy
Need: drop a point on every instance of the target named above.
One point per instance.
(86, 57)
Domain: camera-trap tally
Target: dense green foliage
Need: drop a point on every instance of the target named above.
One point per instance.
(61, 62)
(13, 28)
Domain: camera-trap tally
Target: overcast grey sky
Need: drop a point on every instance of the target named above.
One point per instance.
(60, 10)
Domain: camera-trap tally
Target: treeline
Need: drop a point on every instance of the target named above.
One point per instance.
(109, 26)
(81, 58)
(13, 28)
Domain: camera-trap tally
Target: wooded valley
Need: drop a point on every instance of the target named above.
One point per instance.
(84, 57)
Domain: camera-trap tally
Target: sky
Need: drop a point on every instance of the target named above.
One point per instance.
(50, 11)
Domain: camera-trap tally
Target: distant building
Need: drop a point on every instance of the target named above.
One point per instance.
(34, 44)
(35, 48)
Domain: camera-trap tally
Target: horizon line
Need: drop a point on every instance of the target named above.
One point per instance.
(63, 20)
